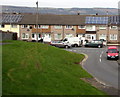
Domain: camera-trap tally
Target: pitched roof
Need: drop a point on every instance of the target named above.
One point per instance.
(50, 19)
(11, 18)
(53, 19)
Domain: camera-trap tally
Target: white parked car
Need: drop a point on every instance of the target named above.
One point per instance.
(74, 41)
(60, 44)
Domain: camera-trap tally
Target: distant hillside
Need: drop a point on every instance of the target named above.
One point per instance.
(60, 11)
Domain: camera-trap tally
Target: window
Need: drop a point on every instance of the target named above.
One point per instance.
(2, 26)
(25, 35)
(39, 26)
(58, 27)
(113, 27)
(90, 28)
(102, 36)
(113, 36)
(44, 26)
(69, 35)
(68, 27)
(81, 27)
(24, 26)
(14, 26)
(102, 27)
(58, 36)
(47, 35)
(88, 36)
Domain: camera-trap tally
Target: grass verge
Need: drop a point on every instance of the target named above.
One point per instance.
(39, 69)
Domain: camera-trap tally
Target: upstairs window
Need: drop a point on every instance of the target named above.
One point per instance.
(90, 28)
(69, 27)
(113, 27)
(14, 26)
(24, 26)
(44, 26)
(102, 27)
(58, 27)
(39, 26)
(81, 27)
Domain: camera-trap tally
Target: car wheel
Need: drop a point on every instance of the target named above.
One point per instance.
(117, 58)
(99, 46)
(107, 58)
(76, 45)
(66, 46)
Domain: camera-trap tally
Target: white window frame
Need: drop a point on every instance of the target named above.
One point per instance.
(81, 27)
(58, 36)
(113, 27)
(58, 27)
(90, 28)
(26, 36)
(13, 26)
(103, 36)
(68, 27)
(113, 36)
(44, 26)
(24, 26)
(69, 35)
(39, 26)
(102, 27)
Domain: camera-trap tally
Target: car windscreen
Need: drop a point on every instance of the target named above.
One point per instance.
(64, 40)
(112, 51)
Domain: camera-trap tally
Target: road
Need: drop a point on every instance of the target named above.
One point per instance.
(106, 71)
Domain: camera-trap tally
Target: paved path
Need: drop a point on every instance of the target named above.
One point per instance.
(4, 43)
(106, 71)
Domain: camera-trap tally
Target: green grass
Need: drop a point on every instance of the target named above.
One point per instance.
(39, 69)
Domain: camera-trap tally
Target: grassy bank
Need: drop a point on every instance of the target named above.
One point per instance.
(38, 69)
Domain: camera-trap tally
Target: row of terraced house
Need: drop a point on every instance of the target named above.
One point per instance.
(57, 27)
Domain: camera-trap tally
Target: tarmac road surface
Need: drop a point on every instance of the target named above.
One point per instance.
(106, 71)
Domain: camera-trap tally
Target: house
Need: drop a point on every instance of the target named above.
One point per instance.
(10, 23)
(114, 34)
(56, 27)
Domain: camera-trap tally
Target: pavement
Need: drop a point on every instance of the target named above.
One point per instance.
(105, 71)
(4, 43)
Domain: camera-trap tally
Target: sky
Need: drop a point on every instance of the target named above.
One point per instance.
(63, 3)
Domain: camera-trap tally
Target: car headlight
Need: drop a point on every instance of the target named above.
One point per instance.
(116, 55)
(108, 55)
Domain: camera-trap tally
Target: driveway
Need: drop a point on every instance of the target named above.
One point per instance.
(106, 71)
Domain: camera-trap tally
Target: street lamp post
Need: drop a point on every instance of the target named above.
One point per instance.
(37, 22)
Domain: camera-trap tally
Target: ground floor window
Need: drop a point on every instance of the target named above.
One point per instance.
(102, 36)
(113, 36)
(58, 36)
(25, 35)
(47, 35)
(69, 35)
(88, 36)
